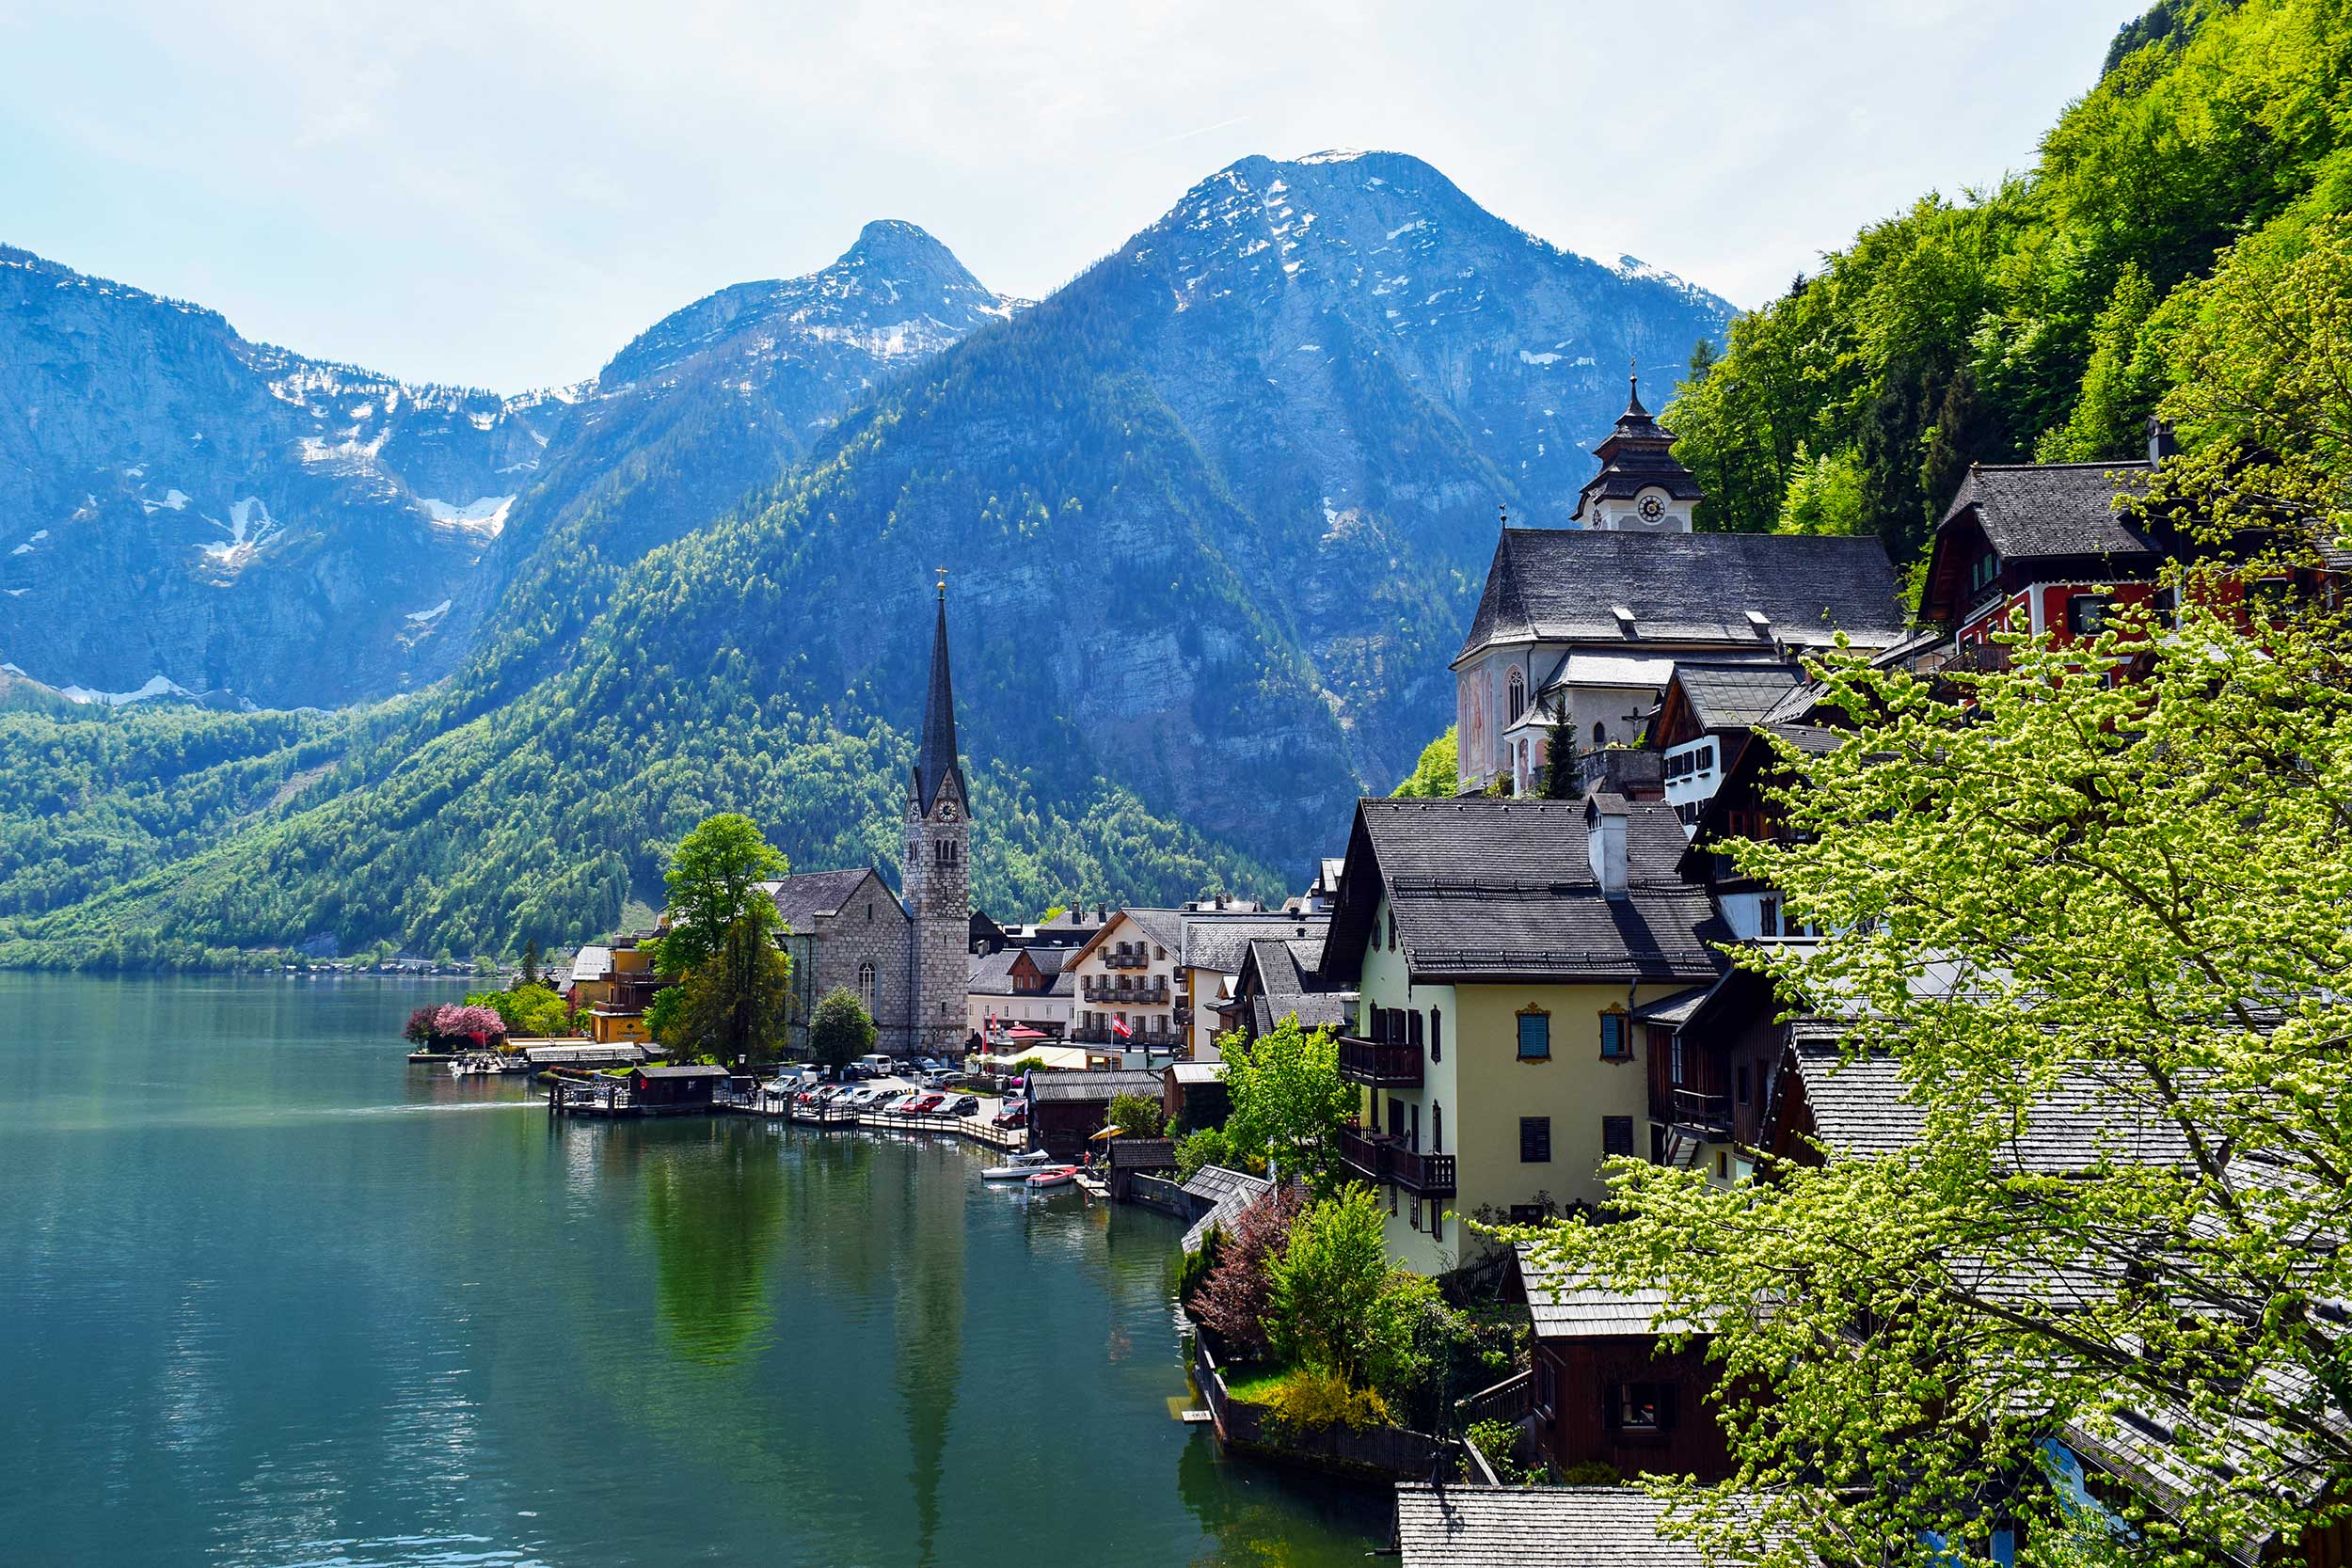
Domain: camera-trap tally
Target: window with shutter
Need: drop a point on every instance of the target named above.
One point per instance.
(1534, 1036)
(1436, 1036)
(1412, 1028)
(1615, 1043)
(1535, 1140)
(1616, 1136)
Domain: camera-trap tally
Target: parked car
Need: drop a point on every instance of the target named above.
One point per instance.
(903, 1107)
(1015, 1114)
(927, 1106)
(963, 1106)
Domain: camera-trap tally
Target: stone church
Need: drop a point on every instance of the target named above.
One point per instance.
(903, 957)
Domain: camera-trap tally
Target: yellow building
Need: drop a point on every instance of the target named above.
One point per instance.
(1501, 949)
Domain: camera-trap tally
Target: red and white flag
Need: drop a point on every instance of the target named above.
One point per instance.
(1119, 1027)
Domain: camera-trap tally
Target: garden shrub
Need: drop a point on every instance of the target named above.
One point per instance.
(1309, 1401)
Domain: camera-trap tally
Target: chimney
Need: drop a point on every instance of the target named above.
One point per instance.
(2160, 442)
(1604, 842)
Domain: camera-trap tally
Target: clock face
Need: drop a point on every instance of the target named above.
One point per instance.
(1652, 507)
(948, 814)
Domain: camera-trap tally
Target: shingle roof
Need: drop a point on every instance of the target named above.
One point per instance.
(1565, 1306)
(1048, 959)
(1049, 1087)
(1861, 1109)
(1636, 456)
(2028, 510)
(1563, 585)
(992, 972)
(1163, 927)
(593, 962)
(1484, 888)
(1734, 696)
(1282, 967)
(1218, 941)
(1197, 1072)
(705, 1072)
(1227, 1193)
(802, 898)
(1534, 1527)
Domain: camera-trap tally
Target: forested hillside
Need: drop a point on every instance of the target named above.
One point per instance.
(1215, 513)
(2042, 317)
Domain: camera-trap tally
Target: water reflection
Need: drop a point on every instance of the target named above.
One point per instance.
(714, 1207)
(931, 1327)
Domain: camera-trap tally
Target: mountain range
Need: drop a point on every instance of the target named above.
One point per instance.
(1214, 513)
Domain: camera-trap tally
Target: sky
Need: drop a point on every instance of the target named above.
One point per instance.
(502, 193)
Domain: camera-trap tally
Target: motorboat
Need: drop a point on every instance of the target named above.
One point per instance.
(1020, 1167)
(1054, 1175)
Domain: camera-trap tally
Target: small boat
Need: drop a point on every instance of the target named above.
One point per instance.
(1054, 1175)
(1020, 1167)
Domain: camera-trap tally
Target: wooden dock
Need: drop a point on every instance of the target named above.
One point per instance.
(598, 1095)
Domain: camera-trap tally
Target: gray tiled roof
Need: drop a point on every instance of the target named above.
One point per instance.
(1861, 1110)
(1047, 1087)
(1227, 1193)
(1565, 1306)
(1217, 941)
(1563, 585)
(1733, 696)
(992, 972)
(1534, 1527)
(2028, 510)
(1284, 966)
(1488, 888)
(802, 898)
(1162, 928)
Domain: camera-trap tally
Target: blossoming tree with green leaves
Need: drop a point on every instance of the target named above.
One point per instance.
(2038, 881)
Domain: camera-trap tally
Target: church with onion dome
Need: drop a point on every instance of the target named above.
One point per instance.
(1585, 624)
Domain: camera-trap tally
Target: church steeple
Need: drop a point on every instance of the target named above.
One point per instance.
(937, 760)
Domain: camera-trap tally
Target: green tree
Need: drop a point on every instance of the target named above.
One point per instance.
(664, 1013)
(1334, 1304)
(2260, 398)
(1563, 771)
(713, 881)
(1437, 775)
(2049, 892)
(735, 1003)
(1289, 1101)
(531, 962)
(1137, 1115)
(841, 1032)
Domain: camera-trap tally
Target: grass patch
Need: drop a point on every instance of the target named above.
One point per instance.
(1257, 1385)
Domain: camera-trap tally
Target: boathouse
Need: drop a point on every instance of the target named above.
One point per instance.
(659, 1090)
(1068, 1108)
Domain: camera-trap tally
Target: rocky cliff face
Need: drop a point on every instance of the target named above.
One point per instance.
(177, 502)
(183, 509)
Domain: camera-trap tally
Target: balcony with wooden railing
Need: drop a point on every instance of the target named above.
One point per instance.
(1679, 1107)
(1380, 1063)
(1380, 1157)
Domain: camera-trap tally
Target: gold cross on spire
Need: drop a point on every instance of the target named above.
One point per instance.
(943, 580)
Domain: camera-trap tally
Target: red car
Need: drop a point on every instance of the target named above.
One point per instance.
(925, 1106)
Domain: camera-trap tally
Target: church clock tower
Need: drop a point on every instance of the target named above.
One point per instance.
(937, 868)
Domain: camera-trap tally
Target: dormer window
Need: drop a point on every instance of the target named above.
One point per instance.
(1624, 618)
(1988, 567)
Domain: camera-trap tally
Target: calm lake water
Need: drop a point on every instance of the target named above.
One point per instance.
(273, 1297)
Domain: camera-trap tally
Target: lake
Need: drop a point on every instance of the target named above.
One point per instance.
(274, 1297)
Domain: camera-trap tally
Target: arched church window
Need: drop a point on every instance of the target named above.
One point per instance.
(1600, 733)
(866, 987)
(1517, 699)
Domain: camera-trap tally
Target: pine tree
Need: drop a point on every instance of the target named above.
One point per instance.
(1564, 774)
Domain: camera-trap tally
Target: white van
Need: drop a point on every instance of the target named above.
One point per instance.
(877, 1065)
